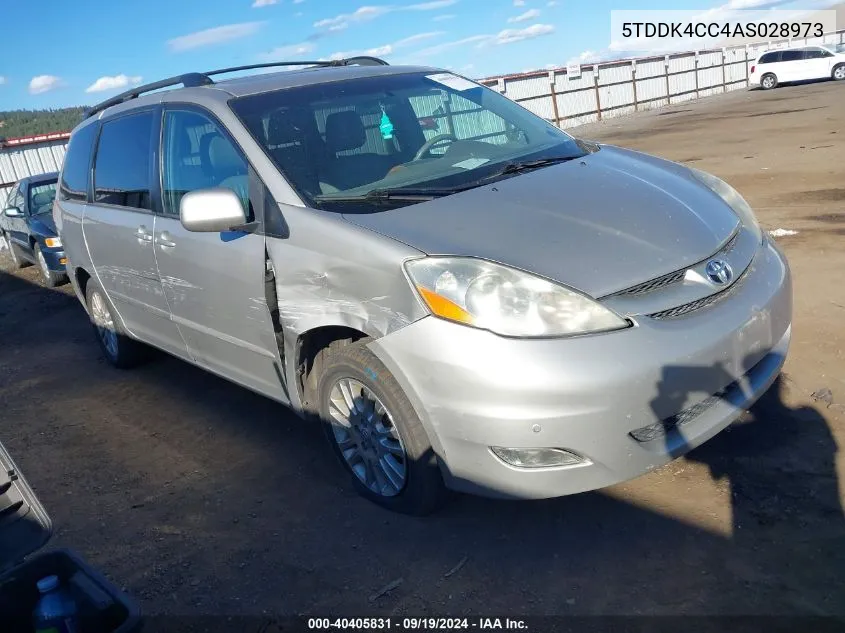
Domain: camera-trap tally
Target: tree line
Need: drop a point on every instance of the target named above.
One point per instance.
(15, 123)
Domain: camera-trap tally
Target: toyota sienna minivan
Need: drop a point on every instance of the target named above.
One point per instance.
(464, 296)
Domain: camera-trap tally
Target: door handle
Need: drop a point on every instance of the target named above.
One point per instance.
(143, 235)
(164, 240)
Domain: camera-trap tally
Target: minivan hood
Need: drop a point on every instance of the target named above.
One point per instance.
(600, 224)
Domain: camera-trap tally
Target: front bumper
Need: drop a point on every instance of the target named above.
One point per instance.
(55, 258)
(473, 389)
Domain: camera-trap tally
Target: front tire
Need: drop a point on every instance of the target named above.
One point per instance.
(838, 73)
(51, 279)
(769, 81)
(119, 349)
(375, 432)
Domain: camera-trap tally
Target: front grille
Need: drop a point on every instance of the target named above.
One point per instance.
(676, 276)
(699, 304)
(660, 429)
(655, 284)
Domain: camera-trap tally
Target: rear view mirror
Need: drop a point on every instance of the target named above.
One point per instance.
(211, 210)
(12, 212)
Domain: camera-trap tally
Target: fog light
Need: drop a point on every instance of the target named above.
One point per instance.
(63, 261)
(536, 457)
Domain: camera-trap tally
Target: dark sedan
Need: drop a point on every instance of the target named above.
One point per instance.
(28, 230)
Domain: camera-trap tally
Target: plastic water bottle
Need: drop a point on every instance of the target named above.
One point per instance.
(56, 609)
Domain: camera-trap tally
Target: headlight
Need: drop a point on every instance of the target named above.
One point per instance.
(731, 198)
(53, 242)
(506, 301)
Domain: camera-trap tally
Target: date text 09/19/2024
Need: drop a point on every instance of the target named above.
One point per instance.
(416, 624)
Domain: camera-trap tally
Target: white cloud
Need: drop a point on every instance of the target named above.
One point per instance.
(367, 13)
(508, 36)
(217, 35)
(446, 46)
(113, 83)
(551, 3)
(283, 53)
(2, 80)
(430, 6)
(524, 17)
(44, 83)
(445, 16)
(519, 3)
(389, 49)
(263, 3)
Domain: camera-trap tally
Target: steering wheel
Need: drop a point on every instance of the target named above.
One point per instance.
(434, 140)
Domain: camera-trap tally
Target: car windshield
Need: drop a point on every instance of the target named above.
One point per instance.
(433, 133)
(41, 198)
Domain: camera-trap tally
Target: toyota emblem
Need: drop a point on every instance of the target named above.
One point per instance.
(719, 271)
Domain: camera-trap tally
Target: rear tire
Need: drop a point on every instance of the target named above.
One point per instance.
(381, 416)
(48, 277)
(838, 73)
(769, 81)
(117, 347)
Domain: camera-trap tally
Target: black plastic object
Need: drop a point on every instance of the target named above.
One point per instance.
(193, 80)
(24, 529)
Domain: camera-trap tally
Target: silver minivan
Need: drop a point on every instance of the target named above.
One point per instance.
(465, 296)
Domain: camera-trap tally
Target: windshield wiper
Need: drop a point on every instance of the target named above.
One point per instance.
(516, 167)
(386, 196)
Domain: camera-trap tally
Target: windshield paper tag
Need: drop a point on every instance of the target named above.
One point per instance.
(471, 163)
(452, 81)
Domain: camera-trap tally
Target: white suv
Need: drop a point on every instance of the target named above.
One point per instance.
(796, 64)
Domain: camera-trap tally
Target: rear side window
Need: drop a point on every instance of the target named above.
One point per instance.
(770, 58)
(122, 166)
(791, 56)
(74, 182)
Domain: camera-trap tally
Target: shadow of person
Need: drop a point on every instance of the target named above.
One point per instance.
(779, 467)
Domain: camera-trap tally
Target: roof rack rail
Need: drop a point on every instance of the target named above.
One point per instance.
(192, 80)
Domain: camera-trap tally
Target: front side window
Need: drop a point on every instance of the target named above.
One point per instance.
(411, 130)
(74, 181)
(41, 198)
(197, 154)
(122, 166)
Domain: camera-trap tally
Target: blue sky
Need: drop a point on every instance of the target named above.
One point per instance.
(80, 52)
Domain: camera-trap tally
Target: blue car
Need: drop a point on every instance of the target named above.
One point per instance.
(28, 231)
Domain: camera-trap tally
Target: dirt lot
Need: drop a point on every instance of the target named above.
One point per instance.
(199, 497)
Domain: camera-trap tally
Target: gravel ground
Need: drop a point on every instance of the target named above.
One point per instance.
(200, 497)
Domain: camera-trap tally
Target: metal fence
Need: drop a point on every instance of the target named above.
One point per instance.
(611, 89)
(30, 156)
(598, 91)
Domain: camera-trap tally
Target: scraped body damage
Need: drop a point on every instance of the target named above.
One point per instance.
(326, 277)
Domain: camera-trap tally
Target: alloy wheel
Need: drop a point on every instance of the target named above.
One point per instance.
(42, 264)
(839, 73)
(367, 438)
(104, 323)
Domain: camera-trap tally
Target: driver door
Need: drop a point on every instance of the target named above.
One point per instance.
(214, 282)
(16, 227)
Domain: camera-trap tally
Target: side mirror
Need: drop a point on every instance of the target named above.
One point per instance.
(13, 212)
(211, 210)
